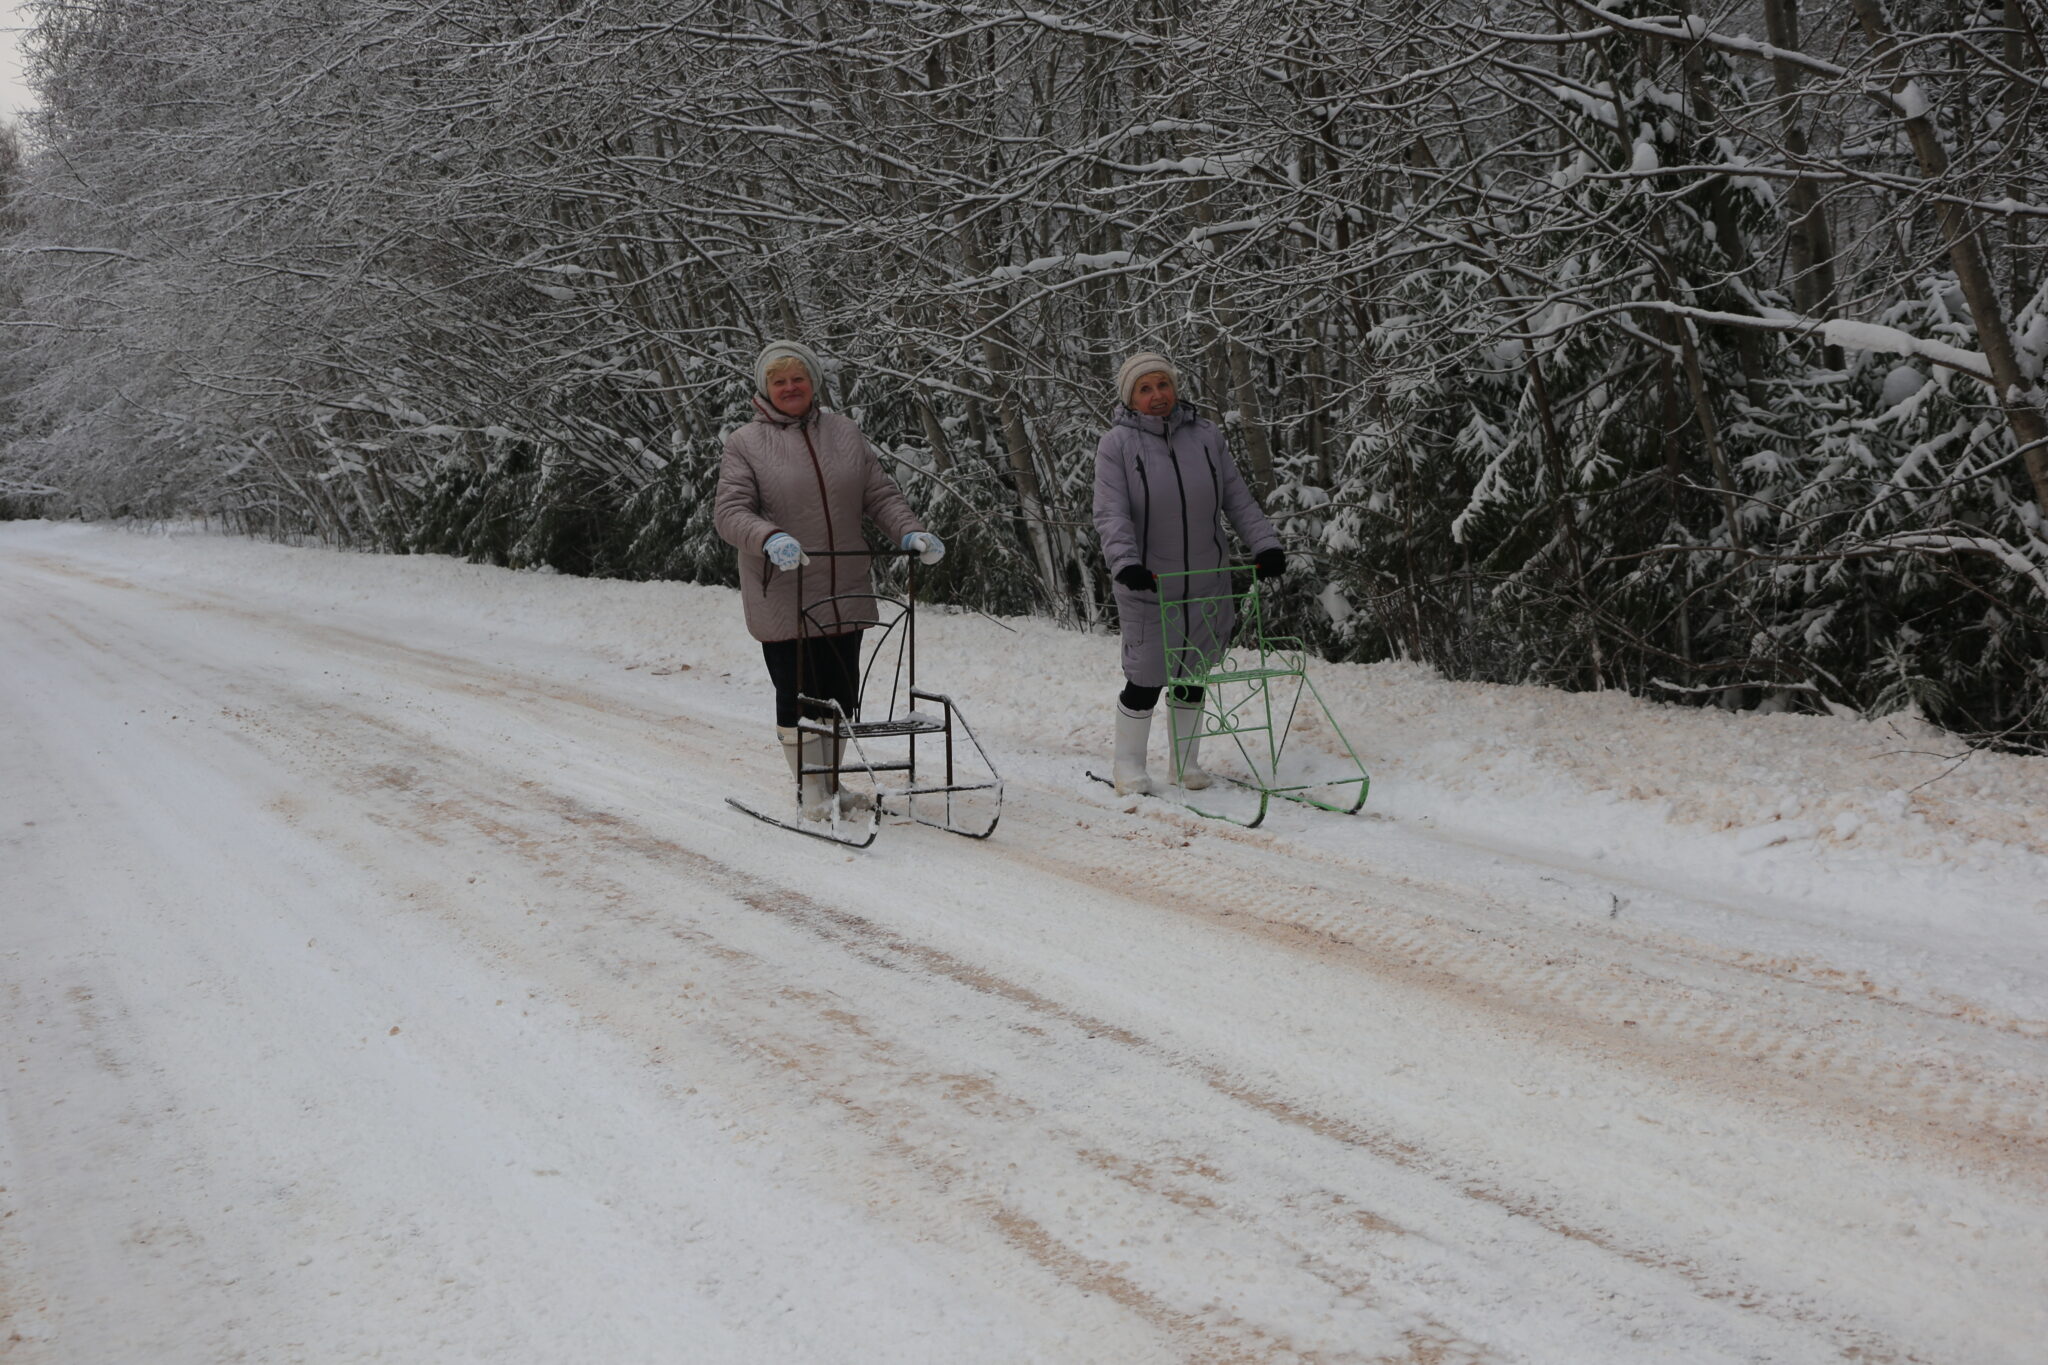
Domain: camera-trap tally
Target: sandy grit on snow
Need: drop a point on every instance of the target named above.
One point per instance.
(385, 978)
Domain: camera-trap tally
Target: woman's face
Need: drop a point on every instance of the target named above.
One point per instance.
(789, 389)
(1153, 394)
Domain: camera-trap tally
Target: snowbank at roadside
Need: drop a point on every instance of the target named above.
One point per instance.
(1890, 821)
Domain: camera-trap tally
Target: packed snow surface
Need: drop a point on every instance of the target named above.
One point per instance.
(384, 977)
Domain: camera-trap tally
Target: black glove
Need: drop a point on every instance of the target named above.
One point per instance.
(1269, 563)
(1137, 578)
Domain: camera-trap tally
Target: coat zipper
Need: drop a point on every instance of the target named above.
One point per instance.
(831, 537)
(1216, 517)
(1187, 625)
(1145, 521)
(1186, 544)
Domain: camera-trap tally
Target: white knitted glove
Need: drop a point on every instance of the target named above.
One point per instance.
(783, 551)
(930, 549)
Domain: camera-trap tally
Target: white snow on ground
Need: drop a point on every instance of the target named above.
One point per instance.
(384, 977)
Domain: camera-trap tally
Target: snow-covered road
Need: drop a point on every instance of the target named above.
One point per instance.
(383, 977)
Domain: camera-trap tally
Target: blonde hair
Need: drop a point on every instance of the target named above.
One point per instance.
(784, 364)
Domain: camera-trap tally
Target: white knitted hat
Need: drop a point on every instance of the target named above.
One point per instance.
(1137, 367)
(777, 351)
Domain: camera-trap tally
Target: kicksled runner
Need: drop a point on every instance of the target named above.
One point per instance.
(1254, 688)
(948, 783)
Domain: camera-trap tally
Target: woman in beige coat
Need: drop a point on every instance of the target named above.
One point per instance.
(799, 478)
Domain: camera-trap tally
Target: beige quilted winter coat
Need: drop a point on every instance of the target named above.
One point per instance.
(813, 478)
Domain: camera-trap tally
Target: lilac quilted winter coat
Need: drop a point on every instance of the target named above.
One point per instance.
(1162, 490)
(813, 478)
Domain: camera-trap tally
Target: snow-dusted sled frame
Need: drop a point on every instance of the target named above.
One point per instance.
(1252, 688)
(964, 768)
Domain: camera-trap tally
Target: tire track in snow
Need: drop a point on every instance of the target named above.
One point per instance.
(345, 747)
(1957, 1100)
(348, 747)
(1676, 1008)
(1769, 966)
(795, 1052)
(1424, 941)
(328, 741)
(885, 948)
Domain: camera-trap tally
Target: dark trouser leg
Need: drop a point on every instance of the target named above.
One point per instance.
(1139, 700)
(831, 670)
(827, 668)
(833, 665)
(780, 656)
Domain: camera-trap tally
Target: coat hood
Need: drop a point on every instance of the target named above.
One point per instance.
(765, 411)
(1183, 413)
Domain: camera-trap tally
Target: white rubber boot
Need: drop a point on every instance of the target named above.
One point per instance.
(854, 801)
(802, 751)
(1186, 724)
(1133, 730)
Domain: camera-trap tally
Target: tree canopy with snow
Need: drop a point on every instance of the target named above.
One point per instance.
(1693, 352)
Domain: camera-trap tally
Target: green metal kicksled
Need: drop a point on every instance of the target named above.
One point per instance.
(1254, 688)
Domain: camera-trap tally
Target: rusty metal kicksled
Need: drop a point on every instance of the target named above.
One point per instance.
(951, 786)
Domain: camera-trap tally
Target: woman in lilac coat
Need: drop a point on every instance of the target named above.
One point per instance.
(1164, 483)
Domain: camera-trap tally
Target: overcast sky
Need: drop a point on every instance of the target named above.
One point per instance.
(14, 96)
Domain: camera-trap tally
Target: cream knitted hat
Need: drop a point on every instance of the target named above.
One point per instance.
(777, 351)
(1137, 367)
